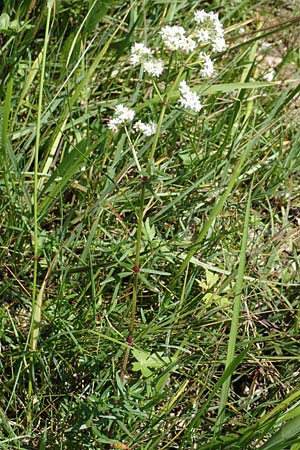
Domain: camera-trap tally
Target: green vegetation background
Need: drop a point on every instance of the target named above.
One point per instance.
(210, 323)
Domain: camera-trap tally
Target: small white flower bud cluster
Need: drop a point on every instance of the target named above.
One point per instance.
(124, 115)
(174, 38)
(210, 30)
(141, 54)
(154, 67)
(207, 70)
(147, 129)
(189, 100)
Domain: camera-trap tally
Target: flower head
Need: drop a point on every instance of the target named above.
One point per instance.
(219, 44)
(154, 67)
(208, 65)
(202, 16)
(139, 53)
(210, 30)
(147, 129)
(189, 99)
(203, 35)
(121, 116)
(174, 38)
(188, 45)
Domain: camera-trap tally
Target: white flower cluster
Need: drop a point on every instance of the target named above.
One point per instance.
(154, 67)
(189, 100)
(147, 129)
(124, 115)
(210, 30)
(208, 69)
(141, 54)
(174, 38)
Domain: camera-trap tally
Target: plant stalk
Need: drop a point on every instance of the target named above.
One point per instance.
(136, 270)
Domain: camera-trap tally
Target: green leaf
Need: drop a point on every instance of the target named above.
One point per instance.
(148, 230)
(211, 278)
(4, 21)
(288, 431)
(218, 300)
(147, 361)
(98, 10)
(156, 272)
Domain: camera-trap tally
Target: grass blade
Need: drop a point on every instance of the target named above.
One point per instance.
(235, 318)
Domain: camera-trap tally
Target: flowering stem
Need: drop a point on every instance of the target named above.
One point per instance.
(157, 134)
(133, 151)
(167, 96)
(135, 286)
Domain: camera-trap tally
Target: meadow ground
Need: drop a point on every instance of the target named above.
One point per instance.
(149, 225)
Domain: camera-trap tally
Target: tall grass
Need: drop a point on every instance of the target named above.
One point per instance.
(149, 284)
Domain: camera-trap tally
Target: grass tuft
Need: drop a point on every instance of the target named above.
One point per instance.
(150, 264)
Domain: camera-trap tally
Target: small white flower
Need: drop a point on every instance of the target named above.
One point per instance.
(214, 17)
(173, 36)
(189, 100)
(188, 45)
(114, 73)
(269, 75)
(113, 125)
(121, 116)
(200, 16)
(154, 67)
(148, 129)
(219, 44)
(202, 35)
(210, 30)
(139, 53)
(124, 113)
(207, 70)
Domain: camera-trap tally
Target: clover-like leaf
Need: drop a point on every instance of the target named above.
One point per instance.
(147, 361)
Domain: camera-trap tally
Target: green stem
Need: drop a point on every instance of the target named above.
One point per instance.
(158, 132)
(137, 259)
(136, 281)
(135, 157)
(167, 96)
(141, 212)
